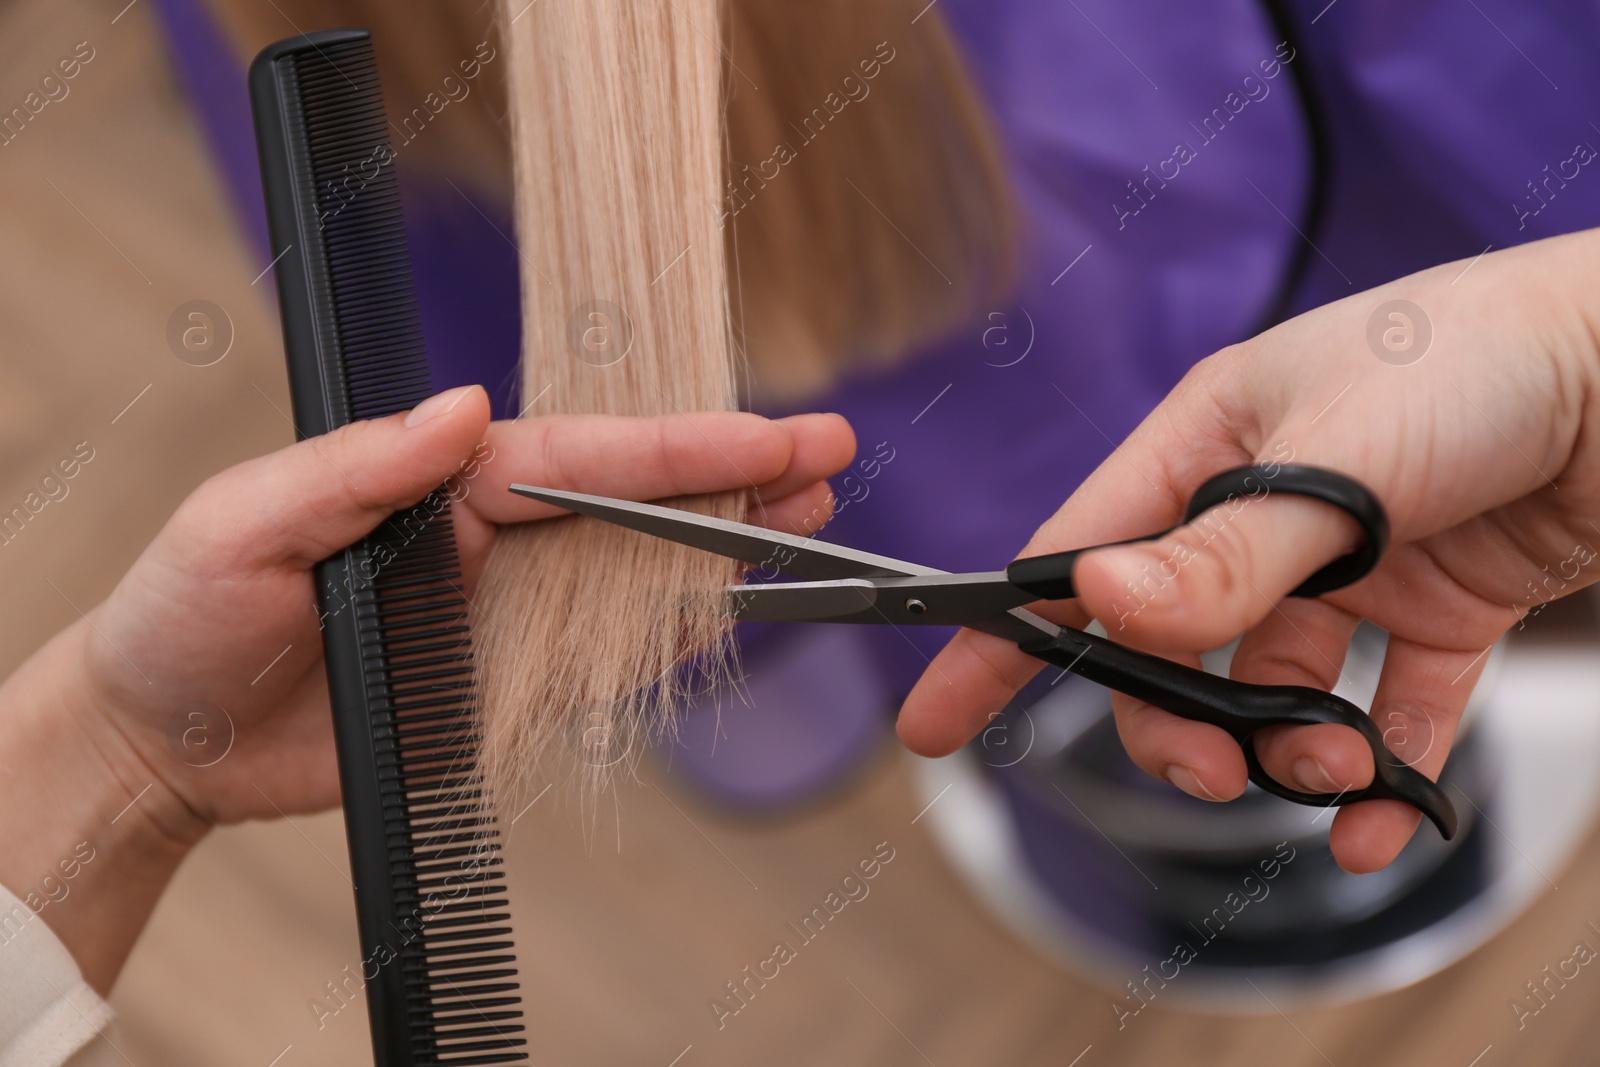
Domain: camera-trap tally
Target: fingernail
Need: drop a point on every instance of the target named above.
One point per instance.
(1190, 783)
(439, 404)
(1311, 776)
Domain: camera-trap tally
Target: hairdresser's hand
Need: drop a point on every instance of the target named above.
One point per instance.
(195, 693)
(1485, 452)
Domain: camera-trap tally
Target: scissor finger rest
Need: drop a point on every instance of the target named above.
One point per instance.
(1241, 709)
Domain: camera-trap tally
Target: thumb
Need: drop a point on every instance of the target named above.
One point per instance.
(303, 503)
(1206, 582)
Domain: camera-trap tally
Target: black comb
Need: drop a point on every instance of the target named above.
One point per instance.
(434, 921)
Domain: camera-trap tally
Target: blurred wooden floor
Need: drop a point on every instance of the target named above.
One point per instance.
(109, 219)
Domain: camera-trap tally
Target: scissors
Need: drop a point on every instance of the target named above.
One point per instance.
(844, 585)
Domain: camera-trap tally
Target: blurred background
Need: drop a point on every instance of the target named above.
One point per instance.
(1029, 895)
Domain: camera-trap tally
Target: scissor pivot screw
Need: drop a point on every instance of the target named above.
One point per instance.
(915, 606)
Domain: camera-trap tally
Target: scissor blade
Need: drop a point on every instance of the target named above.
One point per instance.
(884, 602)
(798, 556)
(921, 600)
(1018, 625)
(804, 601)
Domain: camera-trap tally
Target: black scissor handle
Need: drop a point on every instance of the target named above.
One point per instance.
(1242, 708)
(1049, 576)
(1318, 483)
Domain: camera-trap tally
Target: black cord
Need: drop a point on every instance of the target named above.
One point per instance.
(1319, 162)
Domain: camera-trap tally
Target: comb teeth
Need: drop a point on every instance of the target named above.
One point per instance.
(442, 839)
(425, 849)
(365, 254)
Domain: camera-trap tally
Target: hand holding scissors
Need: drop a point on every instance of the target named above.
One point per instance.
(842, 585)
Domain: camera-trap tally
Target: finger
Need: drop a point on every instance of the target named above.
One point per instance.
(303, 503)
(798, 501)
(1304, 642)
(1200, 759)
(622, 456)
(1421, 695)
(823, 445)
(802, 513)
(965, 686)
(1214, 578)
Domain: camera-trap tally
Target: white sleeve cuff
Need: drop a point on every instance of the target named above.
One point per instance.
(47, 1011)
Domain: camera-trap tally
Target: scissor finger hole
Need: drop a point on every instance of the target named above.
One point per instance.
(1321, 757)
(1260, 776)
